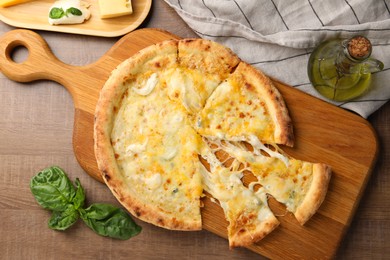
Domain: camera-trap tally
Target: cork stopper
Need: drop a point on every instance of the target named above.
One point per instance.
(359, 47)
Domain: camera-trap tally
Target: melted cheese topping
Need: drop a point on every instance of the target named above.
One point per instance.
(151, 139)
(148, 86)
(190, 87)
(233, 111)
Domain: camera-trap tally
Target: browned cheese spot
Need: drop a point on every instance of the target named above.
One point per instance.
(242, 230)
(106, 176)
(249, 87)
(137, 211)
(160, 221)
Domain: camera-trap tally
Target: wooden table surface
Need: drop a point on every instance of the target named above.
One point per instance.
(36, 125)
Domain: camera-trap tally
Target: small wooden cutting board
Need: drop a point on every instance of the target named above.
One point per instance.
(323, 132)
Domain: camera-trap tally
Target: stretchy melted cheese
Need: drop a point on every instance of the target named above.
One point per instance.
(287, 179)
(246, 210)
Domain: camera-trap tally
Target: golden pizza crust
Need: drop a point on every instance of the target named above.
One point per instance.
(276, 107)
(241, 237)
(207, 56)
(316, 193)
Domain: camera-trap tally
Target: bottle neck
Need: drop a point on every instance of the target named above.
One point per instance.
(357, 49)
(354, 51)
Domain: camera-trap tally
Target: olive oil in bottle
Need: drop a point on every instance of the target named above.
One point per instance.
(341, 70)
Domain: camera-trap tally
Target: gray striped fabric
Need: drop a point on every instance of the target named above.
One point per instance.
(277, 36)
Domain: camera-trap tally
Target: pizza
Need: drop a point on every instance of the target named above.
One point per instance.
(185, 118)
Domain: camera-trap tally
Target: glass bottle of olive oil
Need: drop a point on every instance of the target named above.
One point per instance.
(341, 70)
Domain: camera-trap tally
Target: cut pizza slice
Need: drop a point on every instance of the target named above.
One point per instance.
(142, 139)
(246, 103)
(250, 219)
(202, 66)
(300, 185)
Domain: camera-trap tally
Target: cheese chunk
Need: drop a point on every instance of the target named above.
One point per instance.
(6, 3)
(114, 8)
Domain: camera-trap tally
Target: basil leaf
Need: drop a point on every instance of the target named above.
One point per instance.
(74, 11)
(61, 220)
(100, 211)
(56, 13)
(108, 220)
(79, 198)
(52, 189)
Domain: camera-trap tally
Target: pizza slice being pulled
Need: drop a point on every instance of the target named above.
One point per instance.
(301, 186)
(250, 219)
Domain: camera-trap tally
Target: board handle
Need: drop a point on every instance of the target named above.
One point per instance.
(40, 63)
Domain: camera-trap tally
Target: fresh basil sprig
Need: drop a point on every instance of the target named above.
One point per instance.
(54, 191)
(58, 12)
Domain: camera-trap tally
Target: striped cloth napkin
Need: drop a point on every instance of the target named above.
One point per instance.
(278, 36)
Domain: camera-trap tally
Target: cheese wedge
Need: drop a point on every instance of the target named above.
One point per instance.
(6, 3)
(114, 8)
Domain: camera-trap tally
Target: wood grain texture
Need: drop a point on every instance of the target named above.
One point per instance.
(323, 134)
(34, 15)
(36, 127)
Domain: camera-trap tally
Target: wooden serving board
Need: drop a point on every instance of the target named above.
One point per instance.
(34, 15)
(324, 133)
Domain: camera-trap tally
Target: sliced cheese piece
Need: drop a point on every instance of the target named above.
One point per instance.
(114, 8)
(148, 87)
(6, 3)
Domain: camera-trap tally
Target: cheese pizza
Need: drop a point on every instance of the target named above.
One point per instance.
(187, 117)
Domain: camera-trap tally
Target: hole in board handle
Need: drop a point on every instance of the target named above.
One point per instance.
(17, 52)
